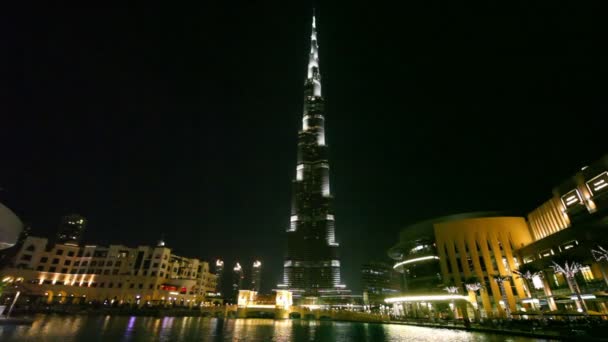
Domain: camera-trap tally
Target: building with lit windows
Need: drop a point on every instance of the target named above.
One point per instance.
(68, 273)
(71, 229)
(452, 249)
(312, 263)
(379, 281)
(219, 272)
(238, 275)
(256, 276)
(569, 227)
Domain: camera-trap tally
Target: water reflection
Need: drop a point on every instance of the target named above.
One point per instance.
(116, 328)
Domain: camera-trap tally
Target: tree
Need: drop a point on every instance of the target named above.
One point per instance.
(569, 270)
(473, 284)
(451, 289)
(600, 254)
(528, 272)
(500, 280)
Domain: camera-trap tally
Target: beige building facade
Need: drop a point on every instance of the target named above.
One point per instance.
(68, 273)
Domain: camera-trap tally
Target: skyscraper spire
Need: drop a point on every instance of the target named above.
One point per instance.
(314, 74)
(312, 264)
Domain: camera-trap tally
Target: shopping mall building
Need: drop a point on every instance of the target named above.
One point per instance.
(490, 264)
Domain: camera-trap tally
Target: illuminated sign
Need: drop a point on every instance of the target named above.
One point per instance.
(598, 184)
(571, 198)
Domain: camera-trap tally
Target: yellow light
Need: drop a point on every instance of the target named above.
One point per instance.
(261, 306)
(425, 298)
(416, 260)
(312, 306)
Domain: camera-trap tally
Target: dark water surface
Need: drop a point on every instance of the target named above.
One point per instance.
(121, 328)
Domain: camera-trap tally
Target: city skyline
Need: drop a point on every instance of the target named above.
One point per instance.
(188, 129)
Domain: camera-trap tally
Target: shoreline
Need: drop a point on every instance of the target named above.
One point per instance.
(574, 335)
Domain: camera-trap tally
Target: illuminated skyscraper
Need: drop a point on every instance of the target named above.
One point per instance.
(219, 272)
(312, 265)
(237, 280)
(71, 229)
(256, 276)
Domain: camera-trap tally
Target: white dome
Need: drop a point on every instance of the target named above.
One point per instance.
(10, 227)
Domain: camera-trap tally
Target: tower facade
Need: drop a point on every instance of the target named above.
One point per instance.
(71, 229)
(312, 264)
(256, 276)
(219, 272)
(237, 280)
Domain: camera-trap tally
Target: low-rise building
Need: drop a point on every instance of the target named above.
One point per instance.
(67, 273)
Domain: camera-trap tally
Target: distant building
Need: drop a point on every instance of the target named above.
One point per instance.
(219, 272)
(65, 273)
(256, 276)
(237, 280)
(379, 280)
(71, 229)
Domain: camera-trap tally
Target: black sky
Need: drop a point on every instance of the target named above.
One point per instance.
(182, 120)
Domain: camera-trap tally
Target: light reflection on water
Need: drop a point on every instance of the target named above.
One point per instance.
(121, 328)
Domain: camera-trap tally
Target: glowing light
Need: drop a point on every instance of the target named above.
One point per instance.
(300, 172)
(537, 282)
(312, 306)
(415, 260)
(335, 263)
(583, 296)
(219, 262)
(293, 218)
(175, 293)
(261, 306)
(330, 217)
(598, 182)
(237, 267)
(530, 300)
(429, 298)
(257, 264)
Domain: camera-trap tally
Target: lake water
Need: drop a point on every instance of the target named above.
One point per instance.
(121, 328)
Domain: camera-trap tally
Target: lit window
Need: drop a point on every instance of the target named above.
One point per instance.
(571, 198)
(587, 274)
(598, 184)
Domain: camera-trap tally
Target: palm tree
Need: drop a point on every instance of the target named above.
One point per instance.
(473, 284)
(500, 280)
(451, 289)
(569, 270)
(527, 273)
(600, 254)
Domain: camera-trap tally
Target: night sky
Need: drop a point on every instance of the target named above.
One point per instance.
(182, 121)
